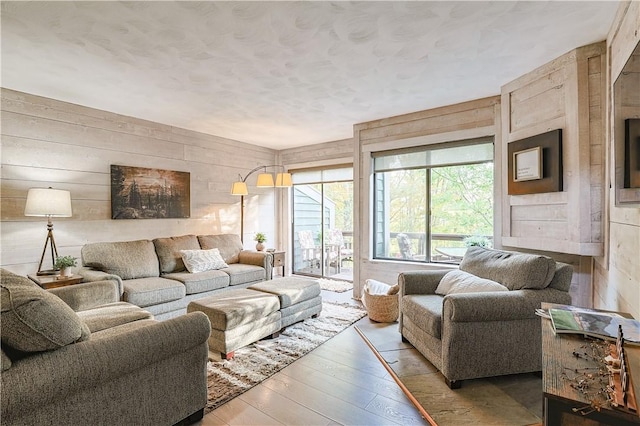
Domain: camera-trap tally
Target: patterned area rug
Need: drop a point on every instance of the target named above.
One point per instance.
(258, 361)
(335, 285)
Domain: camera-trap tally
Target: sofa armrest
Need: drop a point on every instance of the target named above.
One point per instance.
(89, 274)
(420, 282)
(499, 305)
(74, 368)
(83, 296)
(257, 258)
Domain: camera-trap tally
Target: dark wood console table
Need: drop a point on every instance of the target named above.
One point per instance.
(561, 369)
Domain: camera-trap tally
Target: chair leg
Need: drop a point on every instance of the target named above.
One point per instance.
(453, 384)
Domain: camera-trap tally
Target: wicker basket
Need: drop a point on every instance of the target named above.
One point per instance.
(381, 307)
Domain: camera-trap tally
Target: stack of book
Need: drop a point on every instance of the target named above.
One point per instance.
(598, 324)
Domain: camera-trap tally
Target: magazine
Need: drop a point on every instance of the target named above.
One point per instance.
(597, 324)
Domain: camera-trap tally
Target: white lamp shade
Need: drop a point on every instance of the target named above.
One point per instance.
(265, 180)
(48, 202)
(283, 180)
(239, 188)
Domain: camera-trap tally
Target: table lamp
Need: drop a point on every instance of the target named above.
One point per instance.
(50, 203)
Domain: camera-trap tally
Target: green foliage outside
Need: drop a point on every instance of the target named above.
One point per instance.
(341, 193)
(462, 199)
(461, 203)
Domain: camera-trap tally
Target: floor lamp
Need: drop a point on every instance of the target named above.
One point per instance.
(265, 180)
(48, 202)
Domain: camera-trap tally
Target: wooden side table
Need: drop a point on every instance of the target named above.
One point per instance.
(560, 365)
(52, 281)
(278, 260)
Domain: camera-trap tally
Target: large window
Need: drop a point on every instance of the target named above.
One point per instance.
(431, 203)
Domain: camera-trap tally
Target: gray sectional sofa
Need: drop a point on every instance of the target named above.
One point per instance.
(151, 273)
(469, 327)
(77, 355)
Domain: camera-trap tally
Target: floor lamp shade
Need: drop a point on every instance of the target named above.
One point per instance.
(283, 180)
(264, 180)
(50, 203)
(239, 188)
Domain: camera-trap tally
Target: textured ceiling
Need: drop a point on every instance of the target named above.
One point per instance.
(283, 74)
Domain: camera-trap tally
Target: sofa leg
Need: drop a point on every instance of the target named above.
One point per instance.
(273, 335)
(453, 384)
(195, 417)
(404, 339)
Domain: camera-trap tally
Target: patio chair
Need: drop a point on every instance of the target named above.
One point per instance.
(310, 251)
(337, 252)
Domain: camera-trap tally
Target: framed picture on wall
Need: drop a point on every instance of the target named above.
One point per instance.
(632, 153)
(527, 164)
(143, 193)
(535, 164)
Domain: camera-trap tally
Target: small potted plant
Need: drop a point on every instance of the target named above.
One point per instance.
(260, 238)
(64, 263)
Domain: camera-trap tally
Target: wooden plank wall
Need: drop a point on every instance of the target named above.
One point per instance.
(568, 93)
(467, 120)
(47, 142)
(617, 273)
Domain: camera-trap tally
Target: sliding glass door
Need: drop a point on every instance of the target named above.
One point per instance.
(323, 223)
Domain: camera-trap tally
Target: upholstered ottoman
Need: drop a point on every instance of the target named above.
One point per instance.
(238, 317)
(299, 297)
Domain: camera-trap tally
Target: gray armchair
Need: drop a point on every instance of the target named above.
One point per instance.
(488, 333)
(76, 355)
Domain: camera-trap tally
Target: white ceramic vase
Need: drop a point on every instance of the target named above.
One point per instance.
(66, 272)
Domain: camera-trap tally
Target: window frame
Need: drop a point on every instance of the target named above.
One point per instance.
(428, 182)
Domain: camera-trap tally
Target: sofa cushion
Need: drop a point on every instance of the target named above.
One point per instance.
(35, 320)
(424, 310)
(168, 251)
(202, 260)
(201, 281)
(112, 315)
(122, 329)
(240, 273)
(457, 281)
(126, 259)
(515, 271)
(229, 245)
(236, 307)
(152, 291)
(290, 290)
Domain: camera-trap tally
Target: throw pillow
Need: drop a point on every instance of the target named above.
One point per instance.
(34, 320)
(514, 270)
(457, 281)
(202, 260)
(168, 251)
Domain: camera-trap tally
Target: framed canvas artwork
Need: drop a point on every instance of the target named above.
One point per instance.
(142, 193)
